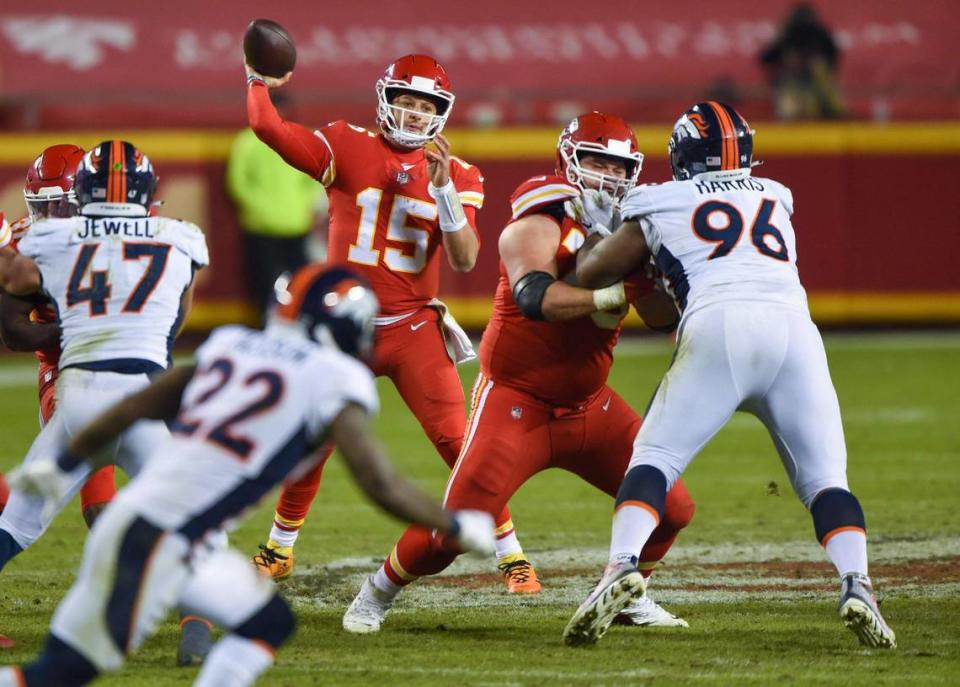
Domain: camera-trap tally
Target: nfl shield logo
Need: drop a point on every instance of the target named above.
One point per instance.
(402, 177)
(516, 412)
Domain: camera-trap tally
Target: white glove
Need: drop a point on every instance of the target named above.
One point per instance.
(42, 477)
(593, 210)
(269, 81)
(473, 531)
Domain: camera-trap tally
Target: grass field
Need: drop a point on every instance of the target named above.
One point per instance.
(747, 574)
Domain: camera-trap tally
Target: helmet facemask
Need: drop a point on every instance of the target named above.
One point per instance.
(50, 202)
(584, 179)
(392, 118)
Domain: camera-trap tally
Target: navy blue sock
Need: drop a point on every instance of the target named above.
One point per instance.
(61, 665)
(8, 548)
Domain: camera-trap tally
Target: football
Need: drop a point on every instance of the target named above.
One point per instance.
(268, 48)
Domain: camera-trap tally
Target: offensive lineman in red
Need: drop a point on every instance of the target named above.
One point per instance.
(393, 204)
(544, 361)
(30, 325)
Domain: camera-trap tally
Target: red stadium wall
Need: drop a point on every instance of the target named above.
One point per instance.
(877, 214)
(177, 63)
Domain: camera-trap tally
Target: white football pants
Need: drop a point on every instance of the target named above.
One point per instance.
(81, 396)
(764, 359)
(133, 572)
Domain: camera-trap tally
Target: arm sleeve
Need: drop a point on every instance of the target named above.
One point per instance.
(301, 148)
(346, 382)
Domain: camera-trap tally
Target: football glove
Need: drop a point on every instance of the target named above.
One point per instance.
(473, 530)
(42, 477)
(593, 210)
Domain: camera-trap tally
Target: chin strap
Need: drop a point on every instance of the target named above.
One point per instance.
(449, 209)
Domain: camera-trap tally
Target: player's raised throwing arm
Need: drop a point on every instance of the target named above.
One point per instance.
(296, 144)
(528, 248)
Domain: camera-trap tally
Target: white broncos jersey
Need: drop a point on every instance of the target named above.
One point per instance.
(721, 236)
(117, 283)
(264, 401)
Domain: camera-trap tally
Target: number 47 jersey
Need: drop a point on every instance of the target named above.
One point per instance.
(720, 236)
(117, 284)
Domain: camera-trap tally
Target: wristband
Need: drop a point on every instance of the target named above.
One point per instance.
(609, 297)
(252, 78)
(449, 208)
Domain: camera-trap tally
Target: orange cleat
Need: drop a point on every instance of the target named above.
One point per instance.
(520, 577)
(274, 561)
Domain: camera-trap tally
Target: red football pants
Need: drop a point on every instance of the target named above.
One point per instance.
(101, 487)
(512, 436)
(413, 355)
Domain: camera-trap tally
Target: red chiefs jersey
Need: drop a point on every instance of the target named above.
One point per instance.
(383, 221)
(49, 357)
(563, 363)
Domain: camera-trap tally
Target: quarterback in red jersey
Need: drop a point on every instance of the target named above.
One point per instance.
(393, 204)
(30, 324)
(544, 361)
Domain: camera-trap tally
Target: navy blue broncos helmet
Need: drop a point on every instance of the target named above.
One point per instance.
(708, 137)
(114, 179)
(334, 306)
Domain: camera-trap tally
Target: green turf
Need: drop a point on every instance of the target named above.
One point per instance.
(900, 397)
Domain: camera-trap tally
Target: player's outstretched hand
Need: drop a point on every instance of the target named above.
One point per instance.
(473, 530)
(269, 81)
(42, 477)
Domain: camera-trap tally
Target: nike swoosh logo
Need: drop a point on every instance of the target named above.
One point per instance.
(406, 166)
(415, 327)
(607, 404)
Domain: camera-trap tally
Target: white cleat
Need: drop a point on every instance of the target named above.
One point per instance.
(859, 612)
(367, 610)
(645, 612)
(621, 583)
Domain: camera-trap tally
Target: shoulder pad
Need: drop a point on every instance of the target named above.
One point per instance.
(537, 193)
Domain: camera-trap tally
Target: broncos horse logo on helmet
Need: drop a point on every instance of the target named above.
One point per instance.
(115, 179)
(710, 137)
(331, 306)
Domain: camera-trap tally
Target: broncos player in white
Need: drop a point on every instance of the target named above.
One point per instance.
(725, 245)
(120, 282)
(252, 411)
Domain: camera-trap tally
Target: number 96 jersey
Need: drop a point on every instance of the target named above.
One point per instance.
(720, 236)
(117, 284)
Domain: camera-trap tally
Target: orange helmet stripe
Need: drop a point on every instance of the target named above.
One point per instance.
(116, 179)
(298, 288)
(730, 155)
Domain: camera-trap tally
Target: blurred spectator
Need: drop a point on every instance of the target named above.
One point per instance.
(802, 66)
(277, 207)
